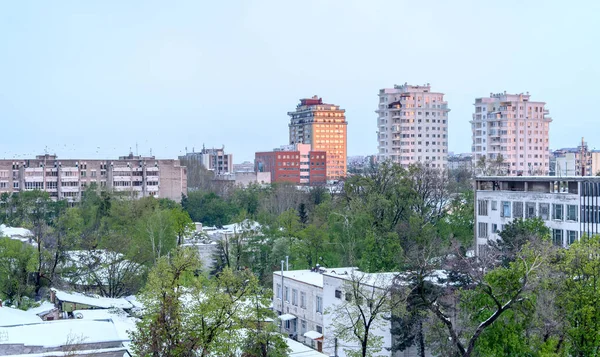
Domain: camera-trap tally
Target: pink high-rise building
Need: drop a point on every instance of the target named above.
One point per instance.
(512, 126)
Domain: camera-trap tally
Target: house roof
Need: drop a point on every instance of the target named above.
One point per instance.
(101, 302)
(298, 349)
(122, 321)
(313, 276)
(60, 332)
(12, 317)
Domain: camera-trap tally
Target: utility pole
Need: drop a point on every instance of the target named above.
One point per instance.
(335, 347)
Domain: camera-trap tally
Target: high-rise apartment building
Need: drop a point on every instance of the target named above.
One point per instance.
(412, 126)
(515, 128)
(323, 126)
(66, 179)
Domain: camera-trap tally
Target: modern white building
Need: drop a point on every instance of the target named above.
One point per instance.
(412, 126)
(570, 206)
(515, 128)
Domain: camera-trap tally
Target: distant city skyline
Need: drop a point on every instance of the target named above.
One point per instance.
(93, 79)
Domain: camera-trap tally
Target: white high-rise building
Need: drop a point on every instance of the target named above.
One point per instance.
(514, 127)
(412, 126)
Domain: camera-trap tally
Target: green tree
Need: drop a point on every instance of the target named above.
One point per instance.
(579, 296)
(18, 264)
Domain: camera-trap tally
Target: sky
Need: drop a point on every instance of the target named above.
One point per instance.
(96, 79)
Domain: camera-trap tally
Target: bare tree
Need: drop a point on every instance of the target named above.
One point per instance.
(367, 304)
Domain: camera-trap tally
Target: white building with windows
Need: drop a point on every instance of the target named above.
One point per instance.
(298, 300)
(570, 206)
(305, 299)
(412, 126)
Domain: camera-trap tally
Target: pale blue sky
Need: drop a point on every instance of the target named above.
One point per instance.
(92, 78)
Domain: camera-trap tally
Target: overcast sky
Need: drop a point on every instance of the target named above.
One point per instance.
(93, 78)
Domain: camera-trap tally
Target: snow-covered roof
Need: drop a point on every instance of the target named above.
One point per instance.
(58, 333)
(122, 321)
(44, 308)
(379, 280)
(14, 232)
(298, 349)
(313, 276)
(101, 302)
(93, 352)
(89, 266)
(10, 317)
(240, 227)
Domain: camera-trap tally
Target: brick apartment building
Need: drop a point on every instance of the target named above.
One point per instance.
(294, 163)
(67, 179)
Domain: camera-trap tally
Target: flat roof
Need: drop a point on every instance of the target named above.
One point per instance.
(313, 277)
(538, 178)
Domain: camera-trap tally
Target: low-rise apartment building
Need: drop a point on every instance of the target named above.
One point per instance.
(66, 179)
(570, 206)
(294, 163)
(305, 301)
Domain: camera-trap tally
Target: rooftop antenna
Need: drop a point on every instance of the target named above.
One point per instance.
(136, 149)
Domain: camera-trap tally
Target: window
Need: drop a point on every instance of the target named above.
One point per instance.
(338, 294)
(571, 237)
(319, 304)
(302, 326)
(482, 207)
(482, 231)
(544, 211)
(517, 209)
(572, 213)
(348, 296)
(494, 228)
(505, 209)
(287, 294)
(494, 205)
(529, 209)
(557, 211)
(279, 291)
(294, 297)
(319, 328)
(557, 237)
(303, 299)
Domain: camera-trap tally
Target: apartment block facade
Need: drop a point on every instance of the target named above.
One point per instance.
(512, 127)
(323, 126)
(216, 160)
(294, 163)
(412, 126)
(579, 161)
(66, 179)
(569, 206)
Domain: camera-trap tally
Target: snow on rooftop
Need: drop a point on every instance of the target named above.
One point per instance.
(101, 302)
(298, 349)
(122, 321)
(58, 333)
(44, 308)
(313, 276)
(14, 232)
(10, 317)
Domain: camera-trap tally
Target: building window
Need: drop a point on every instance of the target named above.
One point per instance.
(294, 297)
(557, 237)
(571, 212)
(517, 209)
(319, 307)
(530, 210)
(338, 294)
(303, 299)
(494, 205)
(544, 211)
(302, 326)
(557, 211)
(572, 237)
(279, 291)
(494, 228)
(505, 209)
(482, 231)
(287, 294)
(319, 328)
(482, 207)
